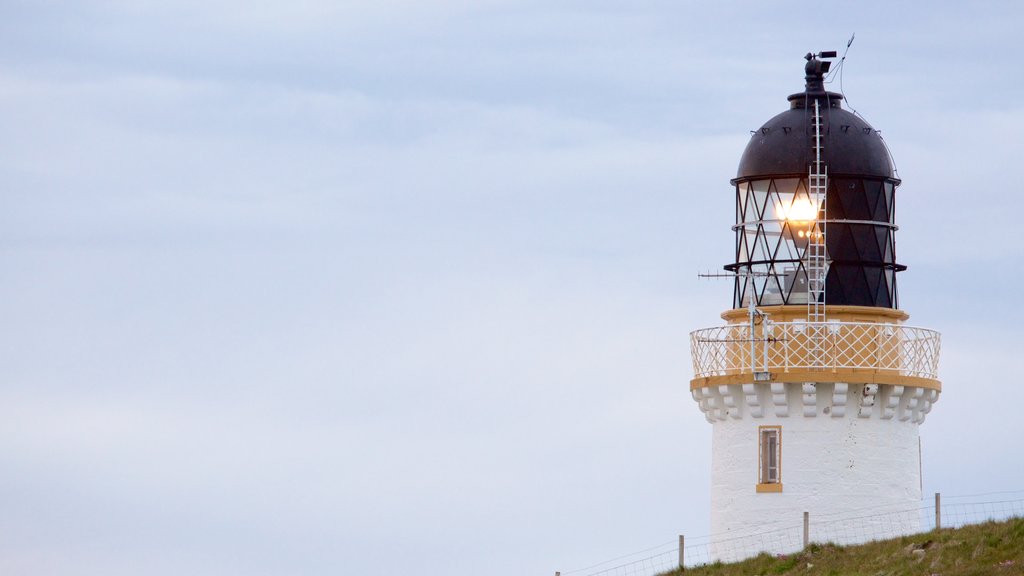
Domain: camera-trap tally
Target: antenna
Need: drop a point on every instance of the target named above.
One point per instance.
(754, 315)
(839, 67)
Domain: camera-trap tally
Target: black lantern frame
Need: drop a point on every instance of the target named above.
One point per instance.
(775, 218)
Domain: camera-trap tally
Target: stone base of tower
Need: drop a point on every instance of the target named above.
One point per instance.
(848, 454)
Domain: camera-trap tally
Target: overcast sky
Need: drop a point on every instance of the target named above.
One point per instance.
(404, 287)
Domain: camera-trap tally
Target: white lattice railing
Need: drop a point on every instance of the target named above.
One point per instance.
(786, 346)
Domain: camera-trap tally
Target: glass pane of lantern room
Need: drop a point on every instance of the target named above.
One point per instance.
(760, 272)
(741, 247)
(751, 242)
(756, 199)
(787, 247)
(742, 191)
(781, 198)
(794, 280)
(802, 208)
(746, 287)
(779, 208)
(772, 290)
(887, 192)
(793, 244)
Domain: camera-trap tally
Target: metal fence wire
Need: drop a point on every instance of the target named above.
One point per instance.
(949, 512)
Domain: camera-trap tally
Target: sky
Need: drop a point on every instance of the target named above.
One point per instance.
(406, 287)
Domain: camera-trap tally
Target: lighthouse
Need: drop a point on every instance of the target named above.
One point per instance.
(815, 383)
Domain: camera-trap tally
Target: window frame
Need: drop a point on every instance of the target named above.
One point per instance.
(764, 450)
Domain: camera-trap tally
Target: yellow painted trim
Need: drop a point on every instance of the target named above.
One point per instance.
(847, 375)
(841, 313)
(767, 488)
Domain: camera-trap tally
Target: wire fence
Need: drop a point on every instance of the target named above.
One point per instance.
(838, 528)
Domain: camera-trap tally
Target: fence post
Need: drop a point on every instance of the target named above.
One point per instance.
(938, 511)
(807, 528)
(682, 546)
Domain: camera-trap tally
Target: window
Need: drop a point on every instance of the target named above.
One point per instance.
(769, 477)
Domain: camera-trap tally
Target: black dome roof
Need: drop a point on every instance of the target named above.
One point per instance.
(784, 145)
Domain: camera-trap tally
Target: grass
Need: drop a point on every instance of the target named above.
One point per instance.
(980, 549)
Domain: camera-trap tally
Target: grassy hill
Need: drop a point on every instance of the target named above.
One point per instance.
(990, 548)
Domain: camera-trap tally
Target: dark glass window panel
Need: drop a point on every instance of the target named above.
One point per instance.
(837, 194)
(887, 191)
(839, 241)
(849, 282)
(894, 289)
(867, 242)
(873, 278)
(876, 200)
(865, 203)
(856, 203)
(850, 193)
(833, 286)
(856, 239)
(882, 242)
(882, 297)
(835, 207)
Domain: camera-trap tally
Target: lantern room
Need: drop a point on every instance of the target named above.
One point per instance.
(779, 216)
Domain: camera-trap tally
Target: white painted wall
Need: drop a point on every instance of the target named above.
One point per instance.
(860, 463)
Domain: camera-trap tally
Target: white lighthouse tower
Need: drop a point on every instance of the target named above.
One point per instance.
(815, 385)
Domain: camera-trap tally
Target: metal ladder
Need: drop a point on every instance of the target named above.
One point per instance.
(816, 257)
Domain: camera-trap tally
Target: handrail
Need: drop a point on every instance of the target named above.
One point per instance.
(785, 346)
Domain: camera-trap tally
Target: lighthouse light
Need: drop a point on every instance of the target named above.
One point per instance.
(802, 210)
